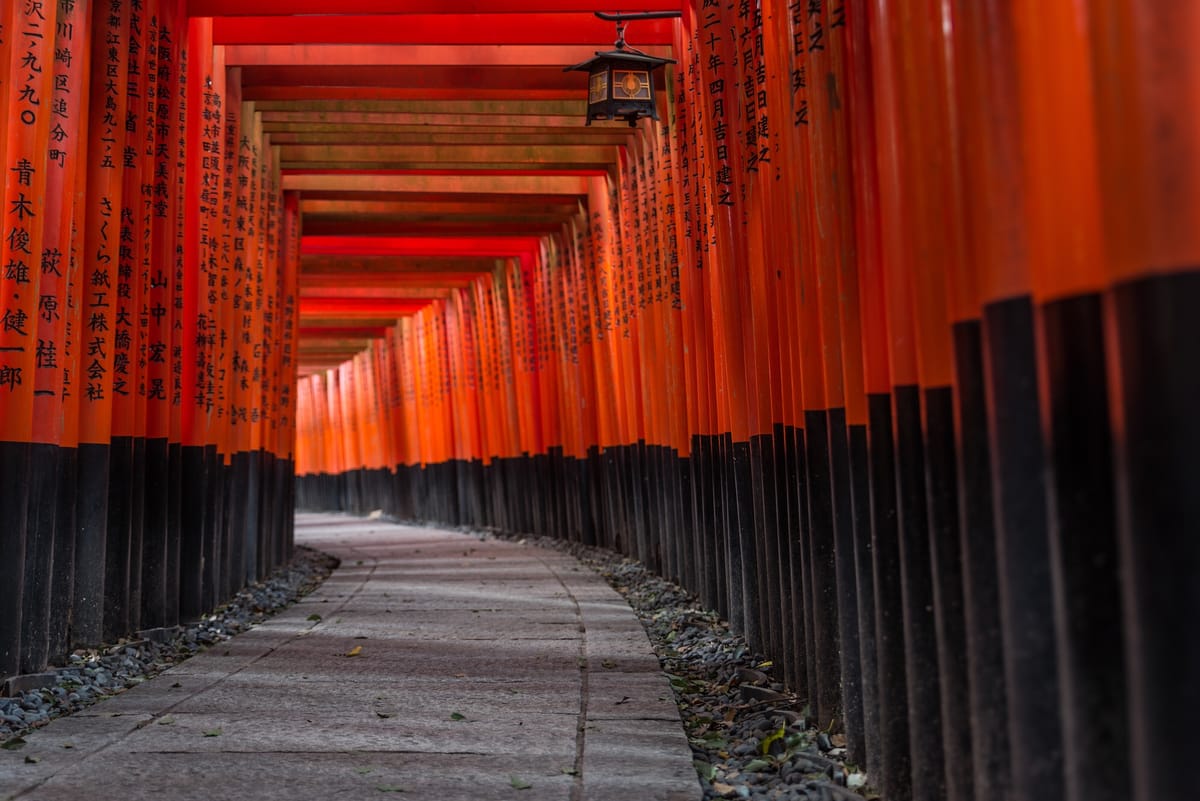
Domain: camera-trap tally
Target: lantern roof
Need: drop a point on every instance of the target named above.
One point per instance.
(631, 57)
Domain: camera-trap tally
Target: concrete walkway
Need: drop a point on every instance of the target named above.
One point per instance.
(440, 667)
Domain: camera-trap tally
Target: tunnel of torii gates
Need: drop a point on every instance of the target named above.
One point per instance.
(884, 339)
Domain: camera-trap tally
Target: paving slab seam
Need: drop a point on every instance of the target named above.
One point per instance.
(581, 729)
(155, 717)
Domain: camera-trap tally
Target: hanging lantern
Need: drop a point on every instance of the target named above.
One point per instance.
(621, 81)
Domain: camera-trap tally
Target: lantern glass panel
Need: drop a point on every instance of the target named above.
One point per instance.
(598, 86)
(631, 85)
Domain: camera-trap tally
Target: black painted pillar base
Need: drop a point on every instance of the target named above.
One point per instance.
(193, 515)
(216, 525)
(117, 549)
(822, 572)
(894, 779)
(174, 534)
(860, 485)
(239, 501)
(981, 589)
(788, 536)
(920, 625)
(941, 464)
(44, 469)
(1085, 550)
(137, 522)
(1023, 547)
(154, 535)
(14, 493)
(765, 580)
(91, 540)
(1157, 327)
(847, 587)
(62, 590)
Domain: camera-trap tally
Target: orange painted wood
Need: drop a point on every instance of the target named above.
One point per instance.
(1150, 171)
(136, 226)
(289, 321)
(436, 29)
(217, 8)
(6, 25)
(895, 216)
(997, 250)
(159, 292)
(927, 170)
(27, 99)
(102, 222)
(868, 243)
(1062, 177)
(55, 363)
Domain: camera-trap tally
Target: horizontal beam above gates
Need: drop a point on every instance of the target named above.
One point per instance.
(417, 210)
(267, 8)
(399, 264)
(516, 168)
(428, 282)
(466, 157)
(457, 184)
(435, 198)
(435, 29)
(430, 121)
(359, 307)
(454, 77)
(502, 108)
(320, 92)
(341, 135)
(322, 226)
(385, 246)
(330, 336)
(345, 291)
(486, 58)
(471, 154)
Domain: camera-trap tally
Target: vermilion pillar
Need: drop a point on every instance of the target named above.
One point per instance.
(27, 97)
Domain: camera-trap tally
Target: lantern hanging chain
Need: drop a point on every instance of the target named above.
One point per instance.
(622, 21)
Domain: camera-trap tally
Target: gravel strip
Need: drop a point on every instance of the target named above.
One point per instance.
(749, 734)
(92, 675)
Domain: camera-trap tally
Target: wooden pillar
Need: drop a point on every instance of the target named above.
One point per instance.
(27, 96)
(102, 227)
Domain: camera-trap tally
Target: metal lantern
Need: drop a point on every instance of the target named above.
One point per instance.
(621, 81)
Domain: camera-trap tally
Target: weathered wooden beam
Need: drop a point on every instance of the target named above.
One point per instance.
(314, 338)
(330, 134)
(266, 8)
(433, 282)
(502, 108)
(434, 198)
(433, 210)
(372, 226)
(355, 291)
(320, 92)
(429, 121)
(463, 184)
(433, 29)
(497, 246)
(454, 154)
(412, 264)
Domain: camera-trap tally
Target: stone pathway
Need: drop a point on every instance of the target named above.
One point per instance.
(429, 665)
